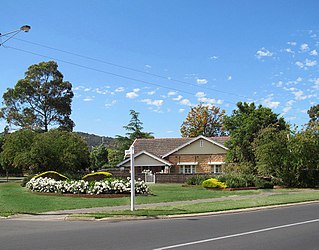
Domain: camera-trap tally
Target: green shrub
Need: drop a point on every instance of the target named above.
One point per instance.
(197, 179)
(96, 176)
(53, 175)
(26, 180)
(213, 183)
(261, 183)
(235, 180)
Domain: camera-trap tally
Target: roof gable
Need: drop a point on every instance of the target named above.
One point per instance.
(201, 137)
(152, 160)
(164, 146)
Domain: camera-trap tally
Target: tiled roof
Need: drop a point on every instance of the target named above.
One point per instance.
(162, 146)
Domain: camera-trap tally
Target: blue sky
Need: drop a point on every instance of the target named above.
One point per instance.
(162, 57)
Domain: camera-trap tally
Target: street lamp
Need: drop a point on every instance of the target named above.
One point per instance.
(24, 28)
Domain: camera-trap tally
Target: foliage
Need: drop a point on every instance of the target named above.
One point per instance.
(235, 180)
(16, 150)
(41, 99)
(26, 179)
(313, 113)
(115, 156)
(61, 151)
(213, 183)
(203, 120)
(98, 157)
(197, 179)
(96, 176)
(243, 125)
(48, 185)
(134, 131)
(53, 175)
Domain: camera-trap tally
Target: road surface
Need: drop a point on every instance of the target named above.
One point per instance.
(295, 227)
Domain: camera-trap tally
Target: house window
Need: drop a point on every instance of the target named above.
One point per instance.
(216, 169)
(188, 169)
(201, 143)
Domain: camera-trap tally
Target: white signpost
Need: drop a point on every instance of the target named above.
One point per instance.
(131, 153)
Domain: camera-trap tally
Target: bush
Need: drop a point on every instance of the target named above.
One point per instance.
(26, 180)
(52, 175)
(261, 183)
(197, 179)
(235, 180)
(96, 176)
(213, 183)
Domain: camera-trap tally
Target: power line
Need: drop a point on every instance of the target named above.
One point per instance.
(105, 72)
(131, 69)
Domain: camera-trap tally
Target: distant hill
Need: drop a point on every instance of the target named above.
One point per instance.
(96, 140)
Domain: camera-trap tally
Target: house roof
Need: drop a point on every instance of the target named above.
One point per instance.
(163, 161)
(163, 146)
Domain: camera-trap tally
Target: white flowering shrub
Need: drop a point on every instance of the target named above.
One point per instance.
(112, 186)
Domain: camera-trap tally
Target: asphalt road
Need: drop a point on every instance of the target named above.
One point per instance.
(295, 227)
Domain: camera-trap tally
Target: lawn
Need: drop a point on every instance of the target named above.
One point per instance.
(16, 199)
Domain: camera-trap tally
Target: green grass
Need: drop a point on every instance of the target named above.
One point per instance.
(216, 206)
(15, 199)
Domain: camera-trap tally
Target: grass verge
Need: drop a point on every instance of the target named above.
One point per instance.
(204, 207)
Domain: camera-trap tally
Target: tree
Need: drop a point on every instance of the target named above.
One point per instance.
(39, 100)
(275, 157)
(313, 113)
(203, 120)
(61, 151)
(16, 150)
(134, 131)
(99, 157)
(243, 125)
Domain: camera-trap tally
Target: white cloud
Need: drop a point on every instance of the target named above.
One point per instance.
(202, 81)
(214, 58)
(292, 43)
(310, 63)
(120, 89)
(151, 92)
(268, 102)
(181, 110)
(290, 102)
(87, 89)
(286, 109)
(178, 98)
(108, 105)
(263, 53)
(89, 98)
(299, 95)
(289, 50)
(300, 64)
(313, 53)
(304, 47)
(200, 94)
(229, 78)
(185, 102)
(148, 66)
(156, 103)
(132, 94)
(172, 93)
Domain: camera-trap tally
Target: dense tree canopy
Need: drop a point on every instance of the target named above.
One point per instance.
(203, 120)
(56, 150)
(40, 100)
(99, 157)
(243, 125)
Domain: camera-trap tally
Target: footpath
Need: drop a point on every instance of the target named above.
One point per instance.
(65, 214)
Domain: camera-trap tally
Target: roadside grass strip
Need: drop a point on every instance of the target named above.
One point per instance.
(207, 207)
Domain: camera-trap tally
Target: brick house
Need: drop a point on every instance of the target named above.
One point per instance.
(179, 155)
